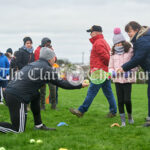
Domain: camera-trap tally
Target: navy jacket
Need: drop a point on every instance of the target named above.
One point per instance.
(141, 46)
(4, 66)
(26, 87)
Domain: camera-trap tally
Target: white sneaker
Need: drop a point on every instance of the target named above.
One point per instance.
(1, 103)
(123, 124)
(131, 121)
(147, 118)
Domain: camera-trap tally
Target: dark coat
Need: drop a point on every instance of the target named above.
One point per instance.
(23, 58)
(141, 47)
(26, 87)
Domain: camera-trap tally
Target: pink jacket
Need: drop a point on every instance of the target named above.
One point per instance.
(116, 61)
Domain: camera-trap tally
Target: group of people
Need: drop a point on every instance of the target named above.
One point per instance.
(21, 58)
(124, 58)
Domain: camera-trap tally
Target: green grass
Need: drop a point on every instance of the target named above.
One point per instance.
(92, 132)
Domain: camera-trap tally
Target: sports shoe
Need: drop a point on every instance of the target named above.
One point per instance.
(53, 106)
(147, 124)
(147, 118)
(110, 115)
(43, 127)
(123, 124)
(131, 121)
(76, 112)
(1, 103)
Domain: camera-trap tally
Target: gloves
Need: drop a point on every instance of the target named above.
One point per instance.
(114, 74)
(127, 74)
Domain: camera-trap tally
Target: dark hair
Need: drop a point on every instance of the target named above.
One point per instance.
(45, 41)
(27, 39)
(126, 46)
(134, 25)
(9, 50)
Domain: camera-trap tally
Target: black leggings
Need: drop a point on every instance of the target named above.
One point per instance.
(124, 97)
(18, 114)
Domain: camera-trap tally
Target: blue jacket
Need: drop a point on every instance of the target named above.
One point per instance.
(141, 46)
(4, 66)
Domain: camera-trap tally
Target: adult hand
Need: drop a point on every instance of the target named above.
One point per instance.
(120, 70)
(85, 83)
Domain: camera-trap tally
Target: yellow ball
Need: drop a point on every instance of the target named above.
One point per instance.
(39, 141)
(87, 81)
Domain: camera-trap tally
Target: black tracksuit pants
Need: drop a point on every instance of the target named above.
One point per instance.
(18, 114)
(124, 97)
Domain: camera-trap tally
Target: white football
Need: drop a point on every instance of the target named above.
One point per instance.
(2, 148)
(32, 141)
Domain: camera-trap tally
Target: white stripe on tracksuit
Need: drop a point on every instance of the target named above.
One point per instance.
(1, 93)
(21, 124)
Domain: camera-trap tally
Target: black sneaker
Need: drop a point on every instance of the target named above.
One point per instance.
(44, 127)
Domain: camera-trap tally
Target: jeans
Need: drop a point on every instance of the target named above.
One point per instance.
(92, 92)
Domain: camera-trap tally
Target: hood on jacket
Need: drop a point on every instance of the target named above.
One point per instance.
(142, 32)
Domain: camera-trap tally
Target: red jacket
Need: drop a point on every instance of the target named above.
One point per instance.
(100, 53)
(37, 53)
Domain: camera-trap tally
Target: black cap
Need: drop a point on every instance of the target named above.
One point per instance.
(45, 41)
(95, 28)
(9, 50)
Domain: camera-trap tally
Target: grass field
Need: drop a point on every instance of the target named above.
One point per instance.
(92, 132)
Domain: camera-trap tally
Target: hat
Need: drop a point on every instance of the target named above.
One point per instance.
(118, 36)
(27, 39)
(44, 41)
(95, 28)
(47, 53)
(9, 50)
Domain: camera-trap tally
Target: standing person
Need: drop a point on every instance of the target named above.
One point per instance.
(4, 72)
(9, 53)
(24, 90)
(25, 54)
(13, 66)
(122, 52)
(46, 42)
(140, 38)
(99, 59)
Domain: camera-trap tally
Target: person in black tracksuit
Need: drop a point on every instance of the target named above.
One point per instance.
(25, 54)
(25, 88)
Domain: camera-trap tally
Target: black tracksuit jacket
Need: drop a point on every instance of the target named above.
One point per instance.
(25, 87)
